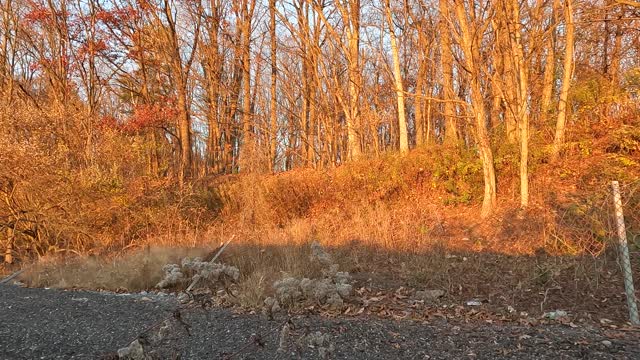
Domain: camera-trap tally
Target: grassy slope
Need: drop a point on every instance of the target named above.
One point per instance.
(393, 222)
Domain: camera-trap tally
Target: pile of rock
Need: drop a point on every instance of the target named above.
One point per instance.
(332, 289)
(196, 270)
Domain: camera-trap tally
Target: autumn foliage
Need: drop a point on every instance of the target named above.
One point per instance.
(126, 121)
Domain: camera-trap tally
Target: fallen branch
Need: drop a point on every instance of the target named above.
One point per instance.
(629, 2)
(11, 277)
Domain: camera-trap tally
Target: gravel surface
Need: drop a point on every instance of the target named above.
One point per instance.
(54, 324)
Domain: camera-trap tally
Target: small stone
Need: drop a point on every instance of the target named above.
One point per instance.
(606, 343)
(344, 290)
(134, 351)
(183, 298)
(335, 301)
(342, 277)
(474, 303)
(429, 295)
(283, 341)
(272, 305)
(555, 315)
(318, 253)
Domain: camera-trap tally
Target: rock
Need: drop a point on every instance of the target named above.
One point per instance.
(134, 351)
(335, 301)
(283, 341)
(474, 302)
(197, 270)
(555, 315)
(183, 298)
(288, 290)
(344, 290)
(271, 305)
(161, 333)
(318, 253)
(325, 288)
(172, 276)
(330, 290)
(320, 341)
(606, 343)
(429, 295)
(342, 277)
(308, 287)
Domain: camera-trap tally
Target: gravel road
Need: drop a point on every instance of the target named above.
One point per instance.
(54, 324)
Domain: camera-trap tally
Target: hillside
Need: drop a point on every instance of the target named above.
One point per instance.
(395, 223)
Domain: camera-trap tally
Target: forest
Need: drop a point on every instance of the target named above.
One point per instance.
(395, 132)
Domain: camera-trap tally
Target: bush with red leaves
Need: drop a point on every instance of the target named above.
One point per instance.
(148, 116)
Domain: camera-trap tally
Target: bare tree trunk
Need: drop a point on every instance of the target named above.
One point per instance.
(306, 120)
(233, 100)
(353, 117)
(614, 68)
(566, 81)
(273, 125)
(402, 120)
(180, 72)
(8, 251)
(155, 156)
(248, 140)
(184, 131)
(213, 72)
(417, 105)
(471, 48)
(547, 79)
(522, 88)
(451, 135)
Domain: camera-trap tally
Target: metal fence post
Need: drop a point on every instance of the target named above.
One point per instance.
(624, 255)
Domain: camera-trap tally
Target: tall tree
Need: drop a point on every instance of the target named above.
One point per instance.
(273, 101)
(470, 42)
(451, 136)
(397, 75)
(248, 155)
(567, 73)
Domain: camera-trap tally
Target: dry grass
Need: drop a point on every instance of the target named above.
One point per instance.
(132, 271)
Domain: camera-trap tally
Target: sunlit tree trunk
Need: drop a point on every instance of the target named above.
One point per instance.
(521, 83)
(470, 44)
(567, 73)
(353, 116)
(248, 141)
(548, 78)
(418, 105)
(397, 75)
(451, 135)
(273, 116)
